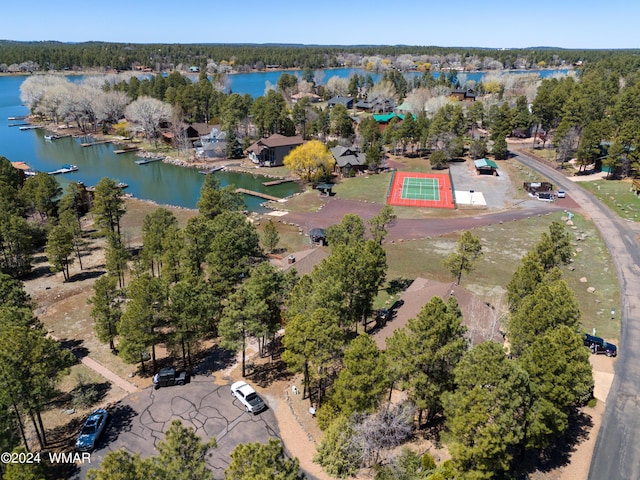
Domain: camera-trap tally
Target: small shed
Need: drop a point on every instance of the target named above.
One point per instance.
(318, 236)
(484, 166)
(325, 188)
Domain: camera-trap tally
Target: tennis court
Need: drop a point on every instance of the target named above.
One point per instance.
(410, 189)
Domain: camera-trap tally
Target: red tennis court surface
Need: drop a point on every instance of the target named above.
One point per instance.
(403, 184)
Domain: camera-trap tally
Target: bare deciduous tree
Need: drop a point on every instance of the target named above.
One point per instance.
(148, 113)
(337, 85)
(110, 106)
(382, 431)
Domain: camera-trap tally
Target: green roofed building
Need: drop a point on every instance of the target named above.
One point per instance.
(484, 166)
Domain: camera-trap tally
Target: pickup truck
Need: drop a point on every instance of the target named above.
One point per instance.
(168, 377)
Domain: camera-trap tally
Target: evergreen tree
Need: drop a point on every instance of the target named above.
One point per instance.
(60, 250)
(423, 354)
(106, 308)
(215, 199)
(270, 237)
(251, 461)
(468, 249)
(560, 380)
(361, 384)
(108, 205)
(550, 305)
(485, 414)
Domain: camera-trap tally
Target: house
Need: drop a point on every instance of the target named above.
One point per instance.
(302, 262)
(464, 95)
(270, 151)
(339, 100)
(481, 319)
(376, 105)
(484, 166)
(212, 145)
(349, 160)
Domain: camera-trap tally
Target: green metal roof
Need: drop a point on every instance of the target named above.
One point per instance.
(485, 162)
(386, 117)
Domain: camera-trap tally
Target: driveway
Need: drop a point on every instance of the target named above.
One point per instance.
(138, 422)
(617, 450)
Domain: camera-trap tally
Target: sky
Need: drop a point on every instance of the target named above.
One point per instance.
(465, 23)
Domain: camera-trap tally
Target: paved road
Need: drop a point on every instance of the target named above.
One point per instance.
(617, 449)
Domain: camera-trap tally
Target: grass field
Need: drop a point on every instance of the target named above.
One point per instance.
(503, 246)
(617, 195)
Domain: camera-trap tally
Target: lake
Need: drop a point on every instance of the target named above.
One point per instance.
(255, 83)
(162, 183)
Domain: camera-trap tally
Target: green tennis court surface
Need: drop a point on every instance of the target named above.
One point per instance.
(420, 189)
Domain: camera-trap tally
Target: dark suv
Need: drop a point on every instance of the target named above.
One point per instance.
(598, 345)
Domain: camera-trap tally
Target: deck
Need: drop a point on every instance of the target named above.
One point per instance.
(258, 194)
(277, 182)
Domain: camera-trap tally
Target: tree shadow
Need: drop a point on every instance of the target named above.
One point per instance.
(558, 453)
(38, 272)
(120, 420)
(75, 346)
(86, 275)
(218, 359)
(398, 285)
(265, 374)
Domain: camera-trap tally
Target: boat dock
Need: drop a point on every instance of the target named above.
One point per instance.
(24, 124)
(91, 144)
(126, 149)
(144, 161)
(258, 194)
(30, 127)
(19, 117)
(277, 182)
(211, 170)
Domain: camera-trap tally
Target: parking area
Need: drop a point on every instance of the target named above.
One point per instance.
(138, 422)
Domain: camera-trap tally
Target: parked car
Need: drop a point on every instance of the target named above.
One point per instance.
(91, 430)
(561, 194)
(248, 397)
(598, 345)
(168, 377)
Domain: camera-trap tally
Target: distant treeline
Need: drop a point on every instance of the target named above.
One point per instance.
(125, 56)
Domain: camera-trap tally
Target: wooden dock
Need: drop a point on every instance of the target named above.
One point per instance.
(144, 161)
(258, 194)
(23, 124)
(277, 182)
(126, 150)
(91, 144)
(19, 117)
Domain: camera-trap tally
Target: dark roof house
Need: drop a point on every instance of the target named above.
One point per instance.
(270, 151)
(464, 95)
(348, 159)
(339, 100)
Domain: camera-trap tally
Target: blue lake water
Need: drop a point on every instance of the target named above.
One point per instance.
(255, 83)
(162, 183)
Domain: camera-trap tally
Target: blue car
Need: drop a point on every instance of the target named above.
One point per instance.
(91, 430)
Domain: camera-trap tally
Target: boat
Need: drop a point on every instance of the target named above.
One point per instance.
(50, 138)
(122, 185)
(144, 161)
(66, 168)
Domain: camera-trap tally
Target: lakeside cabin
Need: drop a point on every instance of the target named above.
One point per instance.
(270, 151)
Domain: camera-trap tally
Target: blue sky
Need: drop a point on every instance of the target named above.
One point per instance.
(481, 23)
